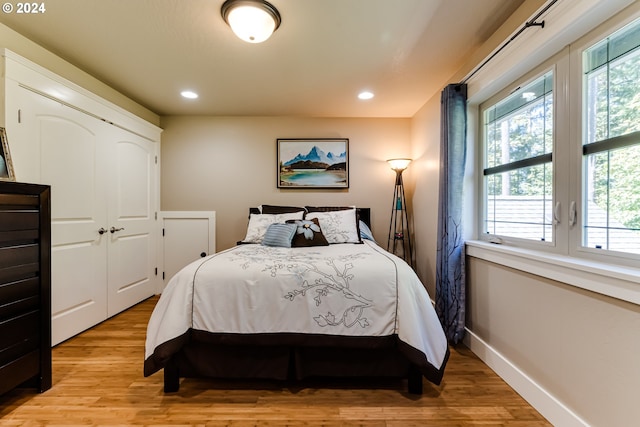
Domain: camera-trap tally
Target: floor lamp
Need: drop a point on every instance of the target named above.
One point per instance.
(399, 242)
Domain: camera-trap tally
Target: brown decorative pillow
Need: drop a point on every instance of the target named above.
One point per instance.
(308, 233)
(272, 209)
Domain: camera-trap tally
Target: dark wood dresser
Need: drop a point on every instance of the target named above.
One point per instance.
(25, 286)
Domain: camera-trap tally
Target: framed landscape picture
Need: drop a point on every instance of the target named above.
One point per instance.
(313, 163)
(6, 167)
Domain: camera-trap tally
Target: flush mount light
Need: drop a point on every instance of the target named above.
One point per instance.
(189, 94)
(251, 20)
(365, 95)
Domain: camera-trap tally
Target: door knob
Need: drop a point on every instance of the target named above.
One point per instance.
(113, 229)
(102, 231)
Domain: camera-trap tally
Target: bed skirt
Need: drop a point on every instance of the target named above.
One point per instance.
(284, 357)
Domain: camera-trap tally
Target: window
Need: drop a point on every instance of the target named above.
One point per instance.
(566, 142)
(611, 143)
(518, 168)
(561, 166)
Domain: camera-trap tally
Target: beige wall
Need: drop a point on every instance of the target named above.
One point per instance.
(228, 164)
(425, 149)
(425, 134)
(581, 346)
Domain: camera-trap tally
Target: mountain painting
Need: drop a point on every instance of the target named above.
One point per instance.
(313, 163)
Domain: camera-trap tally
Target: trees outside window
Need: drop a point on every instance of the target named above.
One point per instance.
(611, 142)
(530, 186)
(518, 172)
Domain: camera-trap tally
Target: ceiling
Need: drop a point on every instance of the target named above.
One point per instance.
(324, 53)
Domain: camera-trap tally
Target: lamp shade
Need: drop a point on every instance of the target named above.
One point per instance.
(251, 20)
(399, 164)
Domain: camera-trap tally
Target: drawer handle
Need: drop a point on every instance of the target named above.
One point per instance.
(113, 229)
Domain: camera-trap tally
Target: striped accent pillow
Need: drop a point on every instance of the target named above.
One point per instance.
(279, 235)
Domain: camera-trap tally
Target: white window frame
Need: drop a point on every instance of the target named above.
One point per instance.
(558, 65)
(576, 247)
(578, 24)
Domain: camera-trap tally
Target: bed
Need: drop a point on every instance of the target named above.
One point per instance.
(307, 293)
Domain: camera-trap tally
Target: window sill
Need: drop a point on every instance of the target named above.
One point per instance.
(618, 282)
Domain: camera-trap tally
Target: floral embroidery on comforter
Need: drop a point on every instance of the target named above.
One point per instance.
(341, 289)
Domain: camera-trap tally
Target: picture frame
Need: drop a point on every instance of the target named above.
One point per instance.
(313, 163)
(6, 166)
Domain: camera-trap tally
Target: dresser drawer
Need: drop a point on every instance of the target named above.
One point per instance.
(19, 329)
(19, 297)
(19, 289)
(18, 237)
(19, 255)
(19, 262)
(18, 201)
(20, 370)
(18, 350)
(19, 220)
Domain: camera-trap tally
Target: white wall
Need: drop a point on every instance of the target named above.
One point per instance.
(228, 164)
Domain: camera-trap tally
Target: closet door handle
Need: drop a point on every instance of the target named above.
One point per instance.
(113, 229)
(102, 231)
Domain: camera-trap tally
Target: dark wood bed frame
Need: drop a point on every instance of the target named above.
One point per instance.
(225, 357)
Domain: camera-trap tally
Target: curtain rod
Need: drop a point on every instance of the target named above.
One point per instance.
(531, 23)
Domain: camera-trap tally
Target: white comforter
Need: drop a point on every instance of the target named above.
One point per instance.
(342, 289)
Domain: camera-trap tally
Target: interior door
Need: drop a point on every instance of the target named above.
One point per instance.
(69, 147)
(132, 248)
(186, 237)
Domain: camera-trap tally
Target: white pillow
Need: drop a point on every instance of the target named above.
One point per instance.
(338, 226)
(258, 224)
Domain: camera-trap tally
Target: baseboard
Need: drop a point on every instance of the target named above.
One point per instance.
(545, 403)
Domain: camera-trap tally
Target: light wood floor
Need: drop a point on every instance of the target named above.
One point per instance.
(98, 381)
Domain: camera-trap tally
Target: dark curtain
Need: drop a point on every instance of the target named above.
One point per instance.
(450, 257)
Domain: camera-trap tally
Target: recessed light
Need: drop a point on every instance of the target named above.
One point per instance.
(189, 94)
(365, 95)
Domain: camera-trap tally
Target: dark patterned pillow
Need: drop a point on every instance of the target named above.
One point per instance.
(272, 209)
(308, 233)
(328, 208)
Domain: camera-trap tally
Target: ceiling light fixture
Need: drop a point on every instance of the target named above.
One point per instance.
(189, 94)
(251, 20)
(365, 95)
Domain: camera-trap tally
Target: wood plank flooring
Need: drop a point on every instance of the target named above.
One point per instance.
(98, 381)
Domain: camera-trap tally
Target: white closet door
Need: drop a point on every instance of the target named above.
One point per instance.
(68, 144)
(132, 259)
(101, 177)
